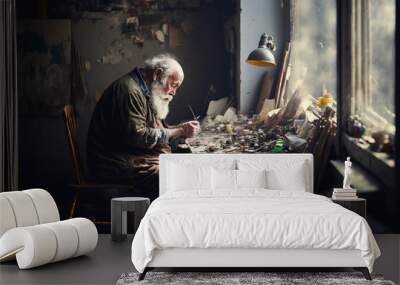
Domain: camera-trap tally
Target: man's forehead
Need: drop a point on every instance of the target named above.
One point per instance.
(174, 77)
(177, 70)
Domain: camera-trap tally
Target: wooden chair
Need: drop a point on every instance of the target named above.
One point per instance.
(103, 191)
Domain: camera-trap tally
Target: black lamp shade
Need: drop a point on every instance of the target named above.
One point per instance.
(263, 56)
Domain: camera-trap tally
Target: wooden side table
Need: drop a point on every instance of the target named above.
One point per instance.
(119, 209)
(357, 205)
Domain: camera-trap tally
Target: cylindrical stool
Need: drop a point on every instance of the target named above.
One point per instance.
(119, 208)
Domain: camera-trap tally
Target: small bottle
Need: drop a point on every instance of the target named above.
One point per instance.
(229, 129)
(279, 146)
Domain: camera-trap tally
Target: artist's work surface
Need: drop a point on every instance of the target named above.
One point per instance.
(222, 142)
(243, 278)
(205, 140)
(253, 218)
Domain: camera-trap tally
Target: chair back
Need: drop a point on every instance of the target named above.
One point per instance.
(69, 117)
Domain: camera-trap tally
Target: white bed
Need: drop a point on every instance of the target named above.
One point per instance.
(248, 226)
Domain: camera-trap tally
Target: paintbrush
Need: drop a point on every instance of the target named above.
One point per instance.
(193, 114)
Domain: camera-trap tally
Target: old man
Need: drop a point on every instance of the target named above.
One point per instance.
(127, 132)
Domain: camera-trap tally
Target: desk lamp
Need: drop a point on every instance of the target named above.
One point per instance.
(263, 56)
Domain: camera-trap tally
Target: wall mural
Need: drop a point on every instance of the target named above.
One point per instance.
(70, 54)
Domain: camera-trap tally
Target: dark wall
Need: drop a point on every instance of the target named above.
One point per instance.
(43, 148)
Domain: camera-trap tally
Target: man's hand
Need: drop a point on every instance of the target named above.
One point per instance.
(185, 130)
(190, 129)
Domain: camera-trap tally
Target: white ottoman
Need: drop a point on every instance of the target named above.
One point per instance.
(31, 232)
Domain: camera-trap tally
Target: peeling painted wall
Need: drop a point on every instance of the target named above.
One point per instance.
(201, 55)
(257, 17)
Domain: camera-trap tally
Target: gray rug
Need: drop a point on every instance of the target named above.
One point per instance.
(231, 278)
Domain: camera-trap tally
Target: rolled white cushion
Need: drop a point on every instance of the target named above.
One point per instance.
(33, 246)
(7, 218)
(87, 235)
(67, 240)
(23, 208)
(41, 244)
(45, 205)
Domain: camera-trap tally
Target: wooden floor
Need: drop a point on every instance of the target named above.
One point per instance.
(103, 266)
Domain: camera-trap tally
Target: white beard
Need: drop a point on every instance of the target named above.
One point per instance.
(160, 100)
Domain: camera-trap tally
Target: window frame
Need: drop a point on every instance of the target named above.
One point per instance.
(379, 165)
(364, 101)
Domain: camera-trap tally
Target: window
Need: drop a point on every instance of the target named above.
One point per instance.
(313, 56)
(367, 83)
(373, 65)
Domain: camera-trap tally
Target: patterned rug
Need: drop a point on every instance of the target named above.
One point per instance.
(243, 278)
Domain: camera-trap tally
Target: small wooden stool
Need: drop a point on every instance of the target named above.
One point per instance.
(119, 208)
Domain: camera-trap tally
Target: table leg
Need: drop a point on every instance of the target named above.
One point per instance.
(116, 222)
(124, 221)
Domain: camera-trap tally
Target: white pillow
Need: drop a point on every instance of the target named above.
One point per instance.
(230, 180)
(293, 179)
(223, 179)
(251, 178)
(188, 177)
(288, 174)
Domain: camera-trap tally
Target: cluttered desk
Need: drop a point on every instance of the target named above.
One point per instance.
(239, 137)
(301, 125)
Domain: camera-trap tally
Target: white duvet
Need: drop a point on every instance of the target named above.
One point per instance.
(250, 219)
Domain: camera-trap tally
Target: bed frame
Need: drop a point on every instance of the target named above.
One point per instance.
(247, 258)
(243, 259)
